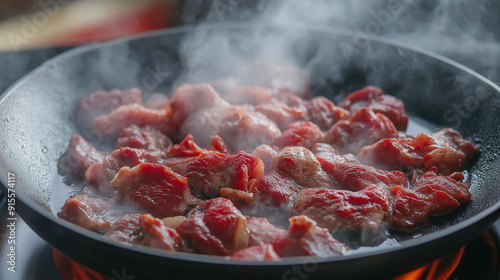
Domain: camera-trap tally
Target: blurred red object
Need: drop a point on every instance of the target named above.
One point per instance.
(156, 15)
(54, 23)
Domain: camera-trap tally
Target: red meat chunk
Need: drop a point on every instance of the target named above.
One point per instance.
(375, 99)
(264, 252)
(274, 189)
(403, 154)
(218, 145)
(245, 130)
(186, 148)
(103, 102)
(215, 227)
(126, 229)
(280, 113)
(99, 175)
(189, 98)
(324, 113)
(154, 189)
(88, 212)
(354, 177)
(343, 209)
(240, 199)
(156, 235)
(445, 149)
(301, 165)
(363, 128)
(110, 125)
(265, 153)
(451, 153)
(432, 195)
(203, 123)
(78, 157)
(261, 231)
(144, 230)
(277, 78)
(146, 138)
(128, 157)
(290, 99)
(252, 95)
(210, 172)
(327, 153)
(180, 155)
(304, 238)
(299, 134)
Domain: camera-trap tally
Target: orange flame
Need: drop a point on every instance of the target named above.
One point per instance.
(437, 270)
(70, 269)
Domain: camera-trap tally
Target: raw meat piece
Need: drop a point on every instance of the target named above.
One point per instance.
(154, 189)
(452, 152)
(264, 252)
(354, 176)
(252, 95)
(261, 231)
(203, 123)
(265, 153)
(189, 98)
(186, 148)
(128, 157)
(215, 227)
(291, 99)
(375, 99)
(343, 209)
(432, 195)
(156, 235)
(304, 238)
(280, 113)
(363, 128)
(324, 113)
(402, 154)
(218, 145)
(327, 153)
(126, 229)
(180, 155)
(88, 212)
(103, 102)
(301, 165)
(299, 134)
(146, 138)
(445, 149)
(245, 130)
(78, 157)
(240, 199)
(110, 125)
(274, 189)
(145, 230)
(210, 172)
(99, 175)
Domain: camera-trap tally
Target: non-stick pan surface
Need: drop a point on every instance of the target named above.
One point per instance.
(37, 117)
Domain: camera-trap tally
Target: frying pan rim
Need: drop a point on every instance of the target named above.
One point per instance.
(182, 256)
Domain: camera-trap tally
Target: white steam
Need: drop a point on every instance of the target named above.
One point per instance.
(459, 29)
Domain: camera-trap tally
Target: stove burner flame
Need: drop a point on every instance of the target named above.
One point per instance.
(440, 269)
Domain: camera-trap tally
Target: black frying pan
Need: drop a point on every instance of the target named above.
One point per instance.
(37, 119)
